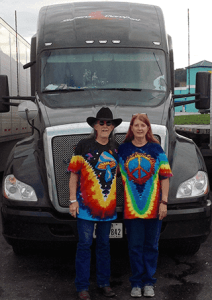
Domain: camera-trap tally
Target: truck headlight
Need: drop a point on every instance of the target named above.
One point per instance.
(195, 186)
(16, 190)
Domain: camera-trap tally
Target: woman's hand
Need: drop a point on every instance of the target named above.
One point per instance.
(74, 209)
(164, 197)
(162, 211)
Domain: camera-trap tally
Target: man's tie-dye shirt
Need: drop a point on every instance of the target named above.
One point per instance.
(96, 192)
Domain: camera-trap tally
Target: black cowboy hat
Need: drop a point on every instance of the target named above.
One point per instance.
(104, 114)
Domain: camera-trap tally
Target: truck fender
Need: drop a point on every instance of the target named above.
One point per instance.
(186, 161)
(25, 163)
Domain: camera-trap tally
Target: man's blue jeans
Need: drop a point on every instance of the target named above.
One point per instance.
(143, 236)
(83, 255)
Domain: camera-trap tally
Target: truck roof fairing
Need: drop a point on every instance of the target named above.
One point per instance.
(89, 24)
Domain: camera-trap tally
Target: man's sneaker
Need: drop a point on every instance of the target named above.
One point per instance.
(136, 292)
(107, 291)
(84, 295)
(149, 291)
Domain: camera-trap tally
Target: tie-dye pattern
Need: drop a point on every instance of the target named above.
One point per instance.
(141, 169)
(96, 192)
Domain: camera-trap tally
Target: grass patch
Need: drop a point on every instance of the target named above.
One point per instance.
(192, 119)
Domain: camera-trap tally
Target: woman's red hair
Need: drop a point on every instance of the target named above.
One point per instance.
(149, 136)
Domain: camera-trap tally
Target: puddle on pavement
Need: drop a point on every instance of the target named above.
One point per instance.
(186, 290)
(183, 290)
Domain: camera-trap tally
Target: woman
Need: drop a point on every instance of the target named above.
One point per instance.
(145, 174)
(92, 188)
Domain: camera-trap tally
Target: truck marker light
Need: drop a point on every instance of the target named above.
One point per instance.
(157, 43)
(116, 41)
(206, 191)
(103, 41)
(12, 180)
(89, 42)
(48, 44)
(208, 202)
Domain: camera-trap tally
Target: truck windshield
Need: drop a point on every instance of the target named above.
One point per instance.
(138, 71)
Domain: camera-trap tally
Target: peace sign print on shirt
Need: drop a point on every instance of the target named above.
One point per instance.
(140, 167)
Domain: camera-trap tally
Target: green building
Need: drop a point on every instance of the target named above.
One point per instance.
(202, 66)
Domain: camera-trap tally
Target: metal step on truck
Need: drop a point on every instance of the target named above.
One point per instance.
(85, 56)
(14, 53)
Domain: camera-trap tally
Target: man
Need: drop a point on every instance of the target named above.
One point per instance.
(92, 188)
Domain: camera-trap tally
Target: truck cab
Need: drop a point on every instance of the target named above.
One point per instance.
(85, 56)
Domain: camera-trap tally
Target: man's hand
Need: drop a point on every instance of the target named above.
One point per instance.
(74, 209)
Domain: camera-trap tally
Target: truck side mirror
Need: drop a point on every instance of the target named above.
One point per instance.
(27, 110)
(203, 88)
(4, 91)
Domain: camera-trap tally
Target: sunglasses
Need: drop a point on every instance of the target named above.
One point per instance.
(108, 123)
(139, 114)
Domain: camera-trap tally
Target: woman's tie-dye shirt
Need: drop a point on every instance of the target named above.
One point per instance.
(142, 169)
(96, 192)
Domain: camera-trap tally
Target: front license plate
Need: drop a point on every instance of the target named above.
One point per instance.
(116, 231)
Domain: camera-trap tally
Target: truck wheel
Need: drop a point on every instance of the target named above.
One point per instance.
(20, 248)
(188, 247)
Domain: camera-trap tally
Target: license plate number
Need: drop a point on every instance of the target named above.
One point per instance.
(116, 231)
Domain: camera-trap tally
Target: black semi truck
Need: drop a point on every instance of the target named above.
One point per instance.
(86, 55)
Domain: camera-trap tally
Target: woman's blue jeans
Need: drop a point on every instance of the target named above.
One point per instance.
(143, 236)
(83, 255)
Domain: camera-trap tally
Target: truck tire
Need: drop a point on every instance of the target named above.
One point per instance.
(181, 246)
(20, 248)
(188, 247)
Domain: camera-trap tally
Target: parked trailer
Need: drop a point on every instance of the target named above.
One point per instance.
(201, 134)
(12, 127)
(85, 56)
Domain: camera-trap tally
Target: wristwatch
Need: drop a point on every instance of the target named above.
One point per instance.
(72, 201)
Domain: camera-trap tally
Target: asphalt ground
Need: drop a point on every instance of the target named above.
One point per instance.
(49, 273)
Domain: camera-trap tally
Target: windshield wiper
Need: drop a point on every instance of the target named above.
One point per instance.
(62, 90)
(119, 89)
(88, 89)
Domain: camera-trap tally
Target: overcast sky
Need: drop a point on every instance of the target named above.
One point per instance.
(176, 18)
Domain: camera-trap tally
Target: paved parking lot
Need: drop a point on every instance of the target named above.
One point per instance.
(49, 274)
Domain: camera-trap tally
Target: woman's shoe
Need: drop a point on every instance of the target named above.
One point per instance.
(149, 291)
(136, 292)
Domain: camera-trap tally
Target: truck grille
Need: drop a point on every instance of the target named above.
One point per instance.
(63, 149)
(59, 143)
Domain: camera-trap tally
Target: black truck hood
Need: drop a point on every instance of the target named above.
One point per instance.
(61, 116)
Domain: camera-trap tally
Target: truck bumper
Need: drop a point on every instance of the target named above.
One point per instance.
(38, 226)
(187, 223)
